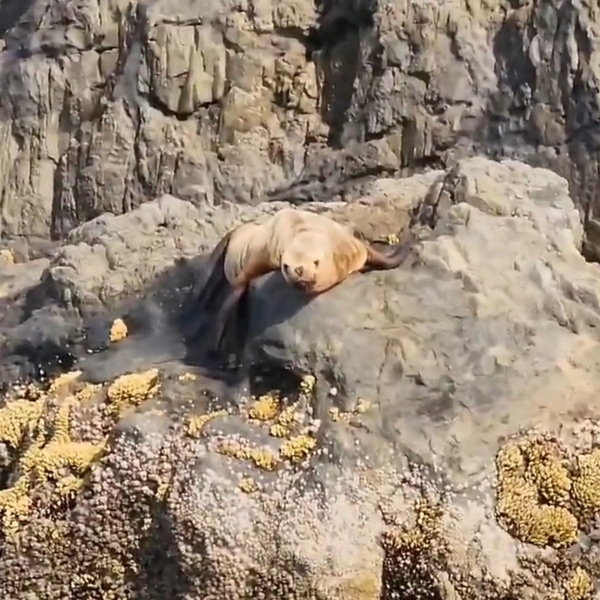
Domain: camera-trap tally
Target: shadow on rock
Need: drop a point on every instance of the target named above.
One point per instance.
(161, 572)
(160, 334)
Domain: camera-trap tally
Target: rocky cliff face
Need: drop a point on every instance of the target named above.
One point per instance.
(108, 103)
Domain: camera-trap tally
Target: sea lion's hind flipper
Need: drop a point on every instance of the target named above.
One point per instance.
(226, 320)
(380, 260)
(231, 322)
(209, 286)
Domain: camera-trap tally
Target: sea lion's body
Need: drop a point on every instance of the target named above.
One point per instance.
(313, 253)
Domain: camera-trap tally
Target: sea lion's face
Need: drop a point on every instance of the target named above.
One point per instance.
(300, 268)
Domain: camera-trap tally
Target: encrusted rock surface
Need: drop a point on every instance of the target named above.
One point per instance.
(426, 432)
(106, 104)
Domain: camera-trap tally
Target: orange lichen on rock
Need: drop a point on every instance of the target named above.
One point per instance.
(131, 390)
(539, 498)
(118, 331)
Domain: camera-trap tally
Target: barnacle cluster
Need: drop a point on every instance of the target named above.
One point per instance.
(7, 256)
(279, 416)
(43, 452)
(118, 331)
(36, 430)
(131, 390)
(412, 549)
(543, 494)
(399, 541)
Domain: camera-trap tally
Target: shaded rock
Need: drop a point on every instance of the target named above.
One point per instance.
(378, 441)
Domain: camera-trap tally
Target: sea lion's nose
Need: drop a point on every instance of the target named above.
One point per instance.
(299, 271)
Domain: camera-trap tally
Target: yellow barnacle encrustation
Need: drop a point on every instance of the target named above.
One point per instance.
(7, 256)
(132, 389)
(297, 448)
(15, 505)
(196, 423)
(63, 380)
(586, 483)
(533, 495)
(16, 418)
(578, 585)
(118, 331)
(265, 408)
(263, 458)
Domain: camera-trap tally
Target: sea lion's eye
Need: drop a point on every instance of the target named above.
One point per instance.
(316, 263)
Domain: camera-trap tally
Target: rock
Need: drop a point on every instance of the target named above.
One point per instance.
(426, 432)
(293, 100)
(452, 336)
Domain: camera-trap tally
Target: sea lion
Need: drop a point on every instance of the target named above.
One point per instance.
(313, 252)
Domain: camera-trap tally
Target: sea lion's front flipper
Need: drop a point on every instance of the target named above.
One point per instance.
(391, 260)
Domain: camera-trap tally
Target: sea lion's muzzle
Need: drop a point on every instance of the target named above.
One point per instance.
(303, 285)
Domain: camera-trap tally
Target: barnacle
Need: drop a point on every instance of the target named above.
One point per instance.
(586, 483)
(118, 331)
(265, 408)
(196, 423)
(533, 492)
(131, 390)
(298, 447)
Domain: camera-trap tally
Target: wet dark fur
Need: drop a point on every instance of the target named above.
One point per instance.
(213, 312)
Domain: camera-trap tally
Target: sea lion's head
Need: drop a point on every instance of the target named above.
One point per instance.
(301, 261)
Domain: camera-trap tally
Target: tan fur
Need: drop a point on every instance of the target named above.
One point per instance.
(248, 243)
(293, 239)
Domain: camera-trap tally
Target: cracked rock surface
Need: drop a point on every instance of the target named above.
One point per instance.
(107, 104)
(425, 432)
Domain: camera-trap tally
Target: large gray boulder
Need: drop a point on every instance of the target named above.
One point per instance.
(426, 432)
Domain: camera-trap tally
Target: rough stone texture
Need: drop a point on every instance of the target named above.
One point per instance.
(388, 483)
(107, 104)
